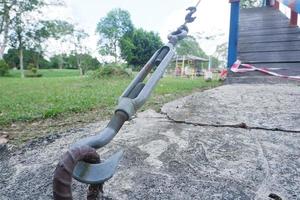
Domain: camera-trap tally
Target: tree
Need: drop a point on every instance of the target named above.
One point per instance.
(18, 40)
(23, 28)
(29, 57)
(189, 46)
(221, 53)
(65, 35)
(87, 62)
(250, 3)
(55, 62)
(43, 30)
(12, 58)
(70, 62)
(63, 61)
(138, 47)
(11, 13)
(111, 29)
(7, 12)
(5, 20)
(214, 61)
(3, 68)
(10, 9)
(80, 49)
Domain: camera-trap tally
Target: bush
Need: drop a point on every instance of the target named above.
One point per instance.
(108, 72)
(32, 73)
(3, 68)
(32, 68)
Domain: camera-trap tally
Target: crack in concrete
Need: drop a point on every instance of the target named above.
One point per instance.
(240, 125)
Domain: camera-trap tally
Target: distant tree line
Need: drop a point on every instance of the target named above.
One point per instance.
(23, 35)
(61, 61)
(24, 31)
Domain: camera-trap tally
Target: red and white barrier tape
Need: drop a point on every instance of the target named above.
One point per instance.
(249, 68)
(223, 74)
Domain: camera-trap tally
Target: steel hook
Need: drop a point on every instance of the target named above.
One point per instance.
(189, 18)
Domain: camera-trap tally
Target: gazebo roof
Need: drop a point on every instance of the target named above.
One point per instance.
(189, 57)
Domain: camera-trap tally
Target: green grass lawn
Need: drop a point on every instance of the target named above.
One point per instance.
(49, 73)
(39, 98)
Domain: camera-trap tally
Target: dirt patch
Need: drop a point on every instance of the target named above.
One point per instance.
(21, 132)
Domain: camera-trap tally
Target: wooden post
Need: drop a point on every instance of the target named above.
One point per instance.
(294, 19)
(233, 32)
(276, 5)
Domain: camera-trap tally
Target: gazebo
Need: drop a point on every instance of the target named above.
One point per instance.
(189, 65)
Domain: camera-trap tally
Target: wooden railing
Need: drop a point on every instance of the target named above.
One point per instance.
(294, 5)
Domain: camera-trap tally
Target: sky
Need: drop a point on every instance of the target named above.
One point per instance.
(160, 16)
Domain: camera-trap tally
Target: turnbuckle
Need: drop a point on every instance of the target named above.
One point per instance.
(82, 161)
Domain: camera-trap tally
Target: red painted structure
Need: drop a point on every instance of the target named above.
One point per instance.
(294, 18)
(276, 5)
(294, 5)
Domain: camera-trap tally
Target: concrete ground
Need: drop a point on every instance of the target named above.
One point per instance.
(231, 142)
